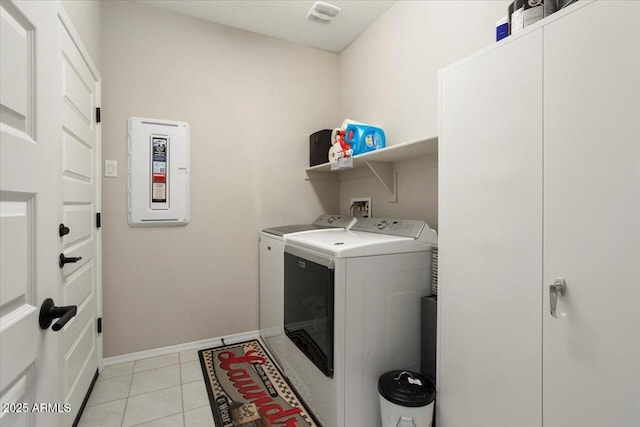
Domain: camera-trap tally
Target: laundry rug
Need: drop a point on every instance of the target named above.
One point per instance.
(246, 389)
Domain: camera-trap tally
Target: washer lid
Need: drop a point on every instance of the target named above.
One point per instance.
(406, 388)
(349, 244)
(288, 229)
(324, 221)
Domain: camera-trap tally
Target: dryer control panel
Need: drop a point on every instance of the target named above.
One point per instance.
(396, 227)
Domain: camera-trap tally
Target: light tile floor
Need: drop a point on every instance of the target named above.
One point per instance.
(164, 391)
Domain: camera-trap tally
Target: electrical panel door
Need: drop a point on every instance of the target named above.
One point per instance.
(158, 172)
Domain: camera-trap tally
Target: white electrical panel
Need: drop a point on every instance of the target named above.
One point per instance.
(157, 172)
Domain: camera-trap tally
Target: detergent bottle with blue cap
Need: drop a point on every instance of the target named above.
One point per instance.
(364, 138)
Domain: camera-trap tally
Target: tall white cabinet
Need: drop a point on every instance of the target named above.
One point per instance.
(539, 181)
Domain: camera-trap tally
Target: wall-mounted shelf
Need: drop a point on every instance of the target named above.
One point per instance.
(380, 162)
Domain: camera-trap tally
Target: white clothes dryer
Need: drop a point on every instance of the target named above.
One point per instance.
(272, 241)
(352, 312)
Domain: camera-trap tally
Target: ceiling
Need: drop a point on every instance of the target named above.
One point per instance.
(284, 19)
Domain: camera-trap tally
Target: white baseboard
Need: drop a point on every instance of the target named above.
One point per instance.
(195, 345)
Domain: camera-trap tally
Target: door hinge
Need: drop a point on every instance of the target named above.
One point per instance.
(98, 220)
(99, 325)
(97, 114)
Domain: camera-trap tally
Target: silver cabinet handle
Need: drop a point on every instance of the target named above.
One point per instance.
(558, 289)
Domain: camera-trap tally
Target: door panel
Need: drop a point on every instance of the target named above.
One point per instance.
(77, 158)
(80, 286)
(76, 93)
(16, 218)
(79, 341)
(28, 214)
(591, 372)
(490, 248)
(78, 289)
(81, 216)
(16, 82)
(20, 391)
(79, 357)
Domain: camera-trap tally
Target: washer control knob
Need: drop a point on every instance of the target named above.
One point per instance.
(382, 225)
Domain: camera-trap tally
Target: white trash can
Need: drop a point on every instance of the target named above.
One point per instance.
(406, 399)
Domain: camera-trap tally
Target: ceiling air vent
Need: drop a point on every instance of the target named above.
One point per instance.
(323, 12)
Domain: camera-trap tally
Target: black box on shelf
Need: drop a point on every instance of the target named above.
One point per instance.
(319, 144)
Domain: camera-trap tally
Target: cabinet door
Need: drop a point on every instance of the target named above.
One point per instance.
(490, 239)
(591, 371)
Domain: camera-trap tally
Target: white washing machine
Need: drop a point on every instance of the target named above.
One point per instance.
(272, 241)
(352, 312)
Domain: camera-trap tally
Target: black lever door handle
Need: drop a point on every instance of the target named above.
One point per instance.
(64, 260)
(49, 312)
(63, 230)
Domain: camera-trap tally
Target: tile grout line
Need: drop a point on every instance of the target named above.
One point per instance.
(184, 416)
(151, 391)
(181, 384)
(161, 418)
(115, 376)
(157, 367)
(112, 399)
(126, 403)
(151, 370)
(140, 394)
(156, 419)
(129, 395)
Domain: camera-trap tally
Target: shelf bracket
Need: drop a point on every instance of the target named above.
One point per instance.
(385, 174)
(320, 176)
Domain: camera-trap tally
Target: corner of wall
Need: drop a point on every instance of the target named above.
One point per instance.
(389, 77)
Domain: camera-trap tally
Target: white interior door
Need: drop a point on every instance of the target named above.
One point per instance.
(591, 372)
(79, 342)
(29, 143)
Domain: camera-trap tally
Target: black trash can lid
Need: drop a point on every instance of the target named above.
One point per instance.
(406, 388)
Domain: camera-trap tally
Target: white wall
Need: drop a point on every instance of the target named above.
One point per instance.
(252, 102)
(389, 77)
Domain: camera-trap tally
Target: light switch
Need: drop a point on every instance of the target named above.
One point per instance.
(110, 168)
